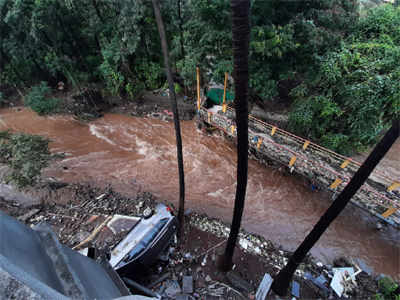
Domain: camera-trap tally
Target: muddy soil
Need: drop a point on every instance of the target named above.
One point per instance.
(79, 208)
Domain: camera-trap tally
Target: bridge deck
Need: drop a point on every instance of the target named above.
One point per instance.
(329, 170)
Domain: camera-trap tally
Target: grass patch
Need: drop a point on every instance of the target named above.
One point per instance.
(26, 155)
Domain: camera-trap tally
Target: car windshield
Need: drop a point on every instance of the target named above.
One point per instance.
(145, 241)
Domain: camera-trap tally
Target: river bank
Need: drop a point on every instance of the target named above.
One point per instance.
(71, 209)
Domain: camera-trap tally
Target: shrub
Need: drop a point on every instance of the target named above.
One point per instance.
(388, 289)
(25, 154)
(38, 102)
(354, 93)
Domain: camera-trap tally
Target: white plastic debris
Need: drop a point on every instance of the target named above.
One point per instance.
(244, 243)
(84, 251)
(338, 280)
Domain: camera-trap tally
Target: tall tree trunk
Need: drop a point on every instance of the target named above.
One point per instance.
(172, 97)
(282, 280)
(241, 38)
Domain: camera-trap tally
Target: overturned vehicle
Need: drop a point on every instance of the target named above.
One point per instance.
(149, 237)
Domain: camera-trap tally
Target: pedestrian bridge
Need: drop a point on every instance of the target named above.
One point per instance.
(324, 168)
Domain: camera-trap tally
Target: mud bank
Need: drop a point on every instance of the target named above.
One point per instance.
(74, 210)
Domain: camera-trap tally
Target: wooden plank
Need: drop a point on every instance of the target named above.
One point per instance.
(209, 117)
(306, 143)
(273, 130)
(389, 212)
(233, 129)
(224, 107)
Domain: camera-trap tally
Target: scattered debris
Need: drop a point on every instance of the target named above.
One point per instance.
(172, 289)
(320, 282)
(76, 220)
(239, 283)
(28, 215)
(339, 283)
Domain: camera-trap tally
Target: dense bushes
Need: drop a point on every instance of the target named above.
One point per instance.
(26, 155)
(355, 92)
(340, 71)
(38, 101)
(116, 42)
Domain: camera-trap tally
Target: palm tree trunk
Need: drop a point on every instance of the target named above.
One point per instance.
(172, 97)
(241, 39)
(282, 280)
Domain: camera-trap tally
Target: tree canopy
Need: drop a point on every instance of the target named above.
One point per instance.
(335, 69)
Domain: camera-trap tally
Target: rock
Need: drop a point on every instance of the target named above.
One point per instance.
(208, 278)
(320, 264)
(187, 284)
(173, 288)
(379, 226)
(28, 215)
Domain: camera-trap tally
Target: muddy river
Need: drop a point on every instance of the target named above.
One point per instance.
(140, 154)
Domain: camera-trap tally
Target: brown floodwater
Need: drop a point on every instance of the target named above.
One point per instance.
(138, 153)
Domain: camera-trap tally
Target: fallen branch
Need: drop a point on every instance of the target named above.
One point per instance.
(93, 234)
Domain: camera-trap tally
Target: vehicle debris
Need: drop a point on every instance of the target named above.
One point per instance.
(148, 238)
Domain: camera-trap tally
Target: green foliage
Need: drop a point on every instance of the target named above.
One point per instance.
(355, 92)
(387, 289)
(37, 100)
(26, 155)
(340, 72)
